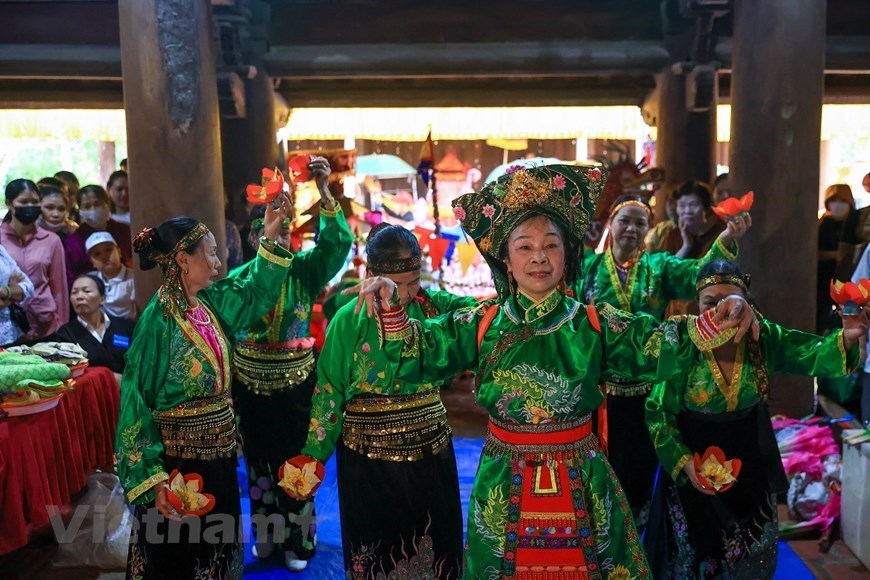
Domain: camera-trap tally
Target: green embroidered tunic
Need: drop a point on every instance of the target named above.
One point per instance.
(348, 366)
(704, 389)
(169, 363)
(540, 363)
(652, 282)
(310, 271)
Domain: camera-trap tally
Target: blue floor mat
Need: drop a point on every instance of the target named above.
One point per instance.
(329, 562)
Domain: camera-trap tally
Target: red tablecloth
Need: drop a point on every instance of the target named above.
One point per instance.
(46, 458)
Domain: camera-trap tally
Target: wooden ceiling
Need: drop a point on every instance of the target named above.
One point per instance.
(66, 53)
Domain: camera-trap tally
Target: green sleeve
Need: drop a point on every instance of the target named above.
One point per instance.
(251, 290)
(423, 351)
(680, 275)
(787, 350)
(448, 302)
(138, 443)
(662, 408)
(334, 376)
(314, 268)
(639, 347)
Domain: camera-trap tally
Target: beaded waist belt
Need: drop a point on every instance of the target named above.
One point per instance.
(627, 388)
(566, 442)
(200, 429)
(399, 428)
(266, 368)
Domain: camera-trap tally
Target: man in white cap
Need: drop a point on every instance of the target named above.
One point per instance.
(120, 291)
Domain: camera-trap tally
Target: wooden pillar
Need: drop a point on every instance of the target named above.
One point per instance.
(777, 86)
(173, 132)
(249, 143)
(686, 141)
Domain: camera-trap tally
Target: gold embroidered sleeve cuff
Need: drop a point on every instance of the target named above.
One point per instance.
(705, 334)
(274, 253)
(850, 356)
(146, 485)
(394, 323)
(330, 211)
(678, 469)
(729, 255)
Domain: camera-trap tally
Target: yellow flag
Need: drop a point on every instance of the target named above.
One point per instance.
(467, 253)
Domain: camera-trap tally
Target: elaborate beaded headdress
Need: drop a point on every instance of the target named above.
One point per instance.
(564, 193)
(171, 293)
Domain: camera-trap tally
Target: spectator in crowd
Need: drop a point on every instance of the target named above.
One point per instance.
(120, 291)
(55, 212)
(657, 234)
(94, 204)
(105, 338)
(698, 225)
(722, 188)
(838, 236)
(119, 191)
(123, 164)
(39, 254)
(72, 184)
(15, 287)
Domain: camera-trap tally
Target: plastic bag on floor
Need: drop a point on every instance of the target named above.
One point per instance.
(99, 532)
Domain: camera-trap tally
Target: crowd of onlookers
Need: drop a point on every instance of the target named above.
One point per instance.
(65, 265)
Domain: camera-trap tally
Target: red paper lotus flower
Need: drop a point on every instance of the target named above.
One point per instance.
(733, 207)
(850, 295)
(298, 167)
(300, 476)
(715, 471)
(273, 184)
(185, 495)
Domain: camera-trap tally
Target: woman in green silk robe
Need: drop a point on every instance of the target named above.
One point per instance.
(175, 413)
(388, 435)
(274, 375)
(545, 502)
(628, 277)
(701, 528)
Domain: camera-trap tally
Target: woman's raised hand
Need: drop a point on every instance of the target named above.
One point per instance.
(372, 292)
(735, 311)
(276, 211)
(735, 227)
(854, 326)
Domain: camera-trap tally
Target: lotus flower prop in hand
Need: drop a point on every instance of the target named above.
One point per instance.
(850, 296)
(185, 494)
(298, 167)
(715, 471)
(273, 184)
(301, 476)
(733, 207)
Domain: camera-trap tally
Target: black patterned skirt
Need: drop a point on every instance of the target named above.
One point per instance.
(198, 438)
(272, 391)
(398, 489)
(731, 534)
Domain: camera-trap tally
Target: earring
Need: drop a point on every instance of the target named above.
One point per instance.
(185, 271)
(512, 284)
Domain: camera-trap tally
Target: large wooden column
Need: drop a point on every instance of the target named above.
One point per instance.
(777, 86)
(249, 143)
(173, 131)
(686, 141)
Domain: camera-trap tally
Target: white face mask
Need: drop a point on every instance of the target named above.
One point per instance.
(50, 226)
(96, 218)
(839, 209)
